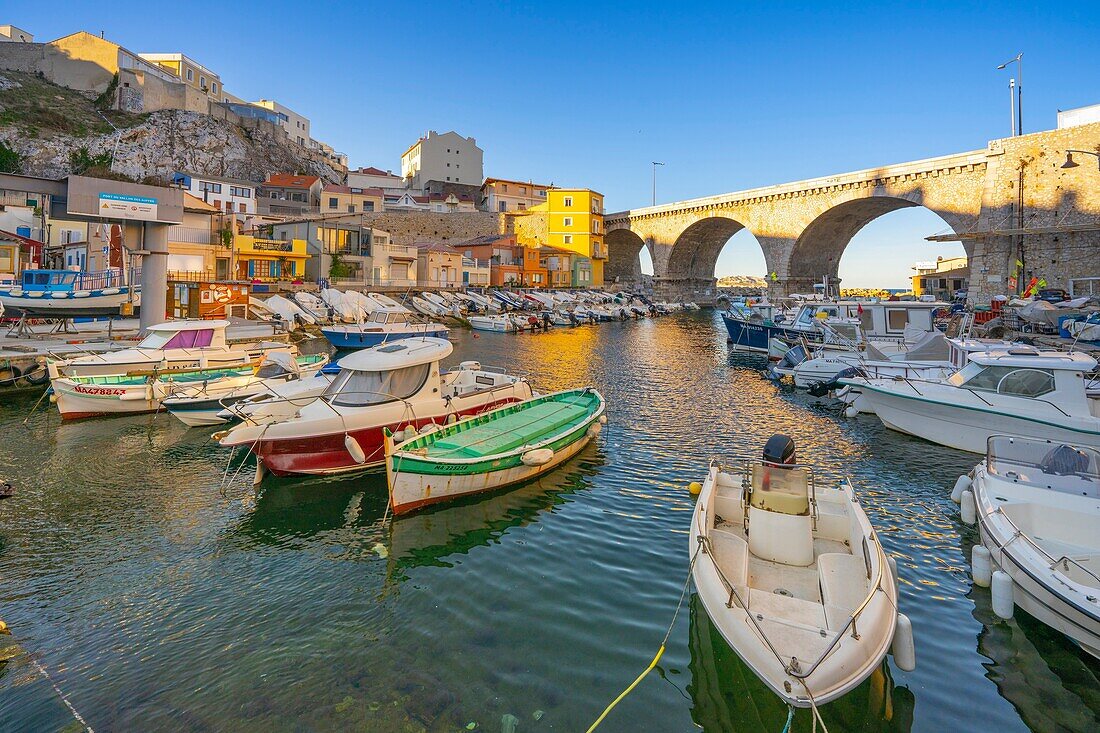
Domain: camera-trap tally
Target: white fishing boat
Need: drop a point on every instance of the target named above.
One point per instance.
(504, 447)
(1037, 506)
(428, 308)
(794, 577)
(313, 305)
(202, 403)
(280, 401)
(500, 323)
(396, 385)
(1022, 391)
(184, 344)
(68, 294)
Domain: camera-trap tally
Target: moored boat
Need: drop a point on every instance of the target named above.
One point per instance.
(68, 294)
(794, 577)
(386, 324)
(1037, 507)
(397, 386)
(494, 450)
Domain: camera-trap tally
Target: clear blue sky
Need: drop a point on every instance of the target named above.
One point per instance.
(730, 96)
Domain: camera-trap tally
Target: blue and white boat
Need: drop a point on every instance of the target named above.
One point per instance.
(68, 294)
(385, 324)
(752, 330)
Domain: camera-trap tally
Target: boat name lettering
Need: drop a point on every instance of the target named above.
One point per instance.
(109, 391)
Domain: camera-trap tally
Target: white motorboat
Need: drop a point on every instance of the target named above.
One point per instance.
(500, 323)
(386, 301)
(1021, 391)
(279, 401)
(184, 344)
(1037, 506)
(289, 311)
(428, 308)
(344, 309)
(397, 385)
(202, 403)
(794, 577)
(363, 306)
(313, 305)
(385, 324)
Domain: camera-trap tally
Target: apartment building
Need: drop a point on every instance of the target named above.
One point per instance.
(190, 72)
(289, 194)
(231, 195)
(372, 177)
(296, 125)
(448, 158)
(351, 200)
(499, 194)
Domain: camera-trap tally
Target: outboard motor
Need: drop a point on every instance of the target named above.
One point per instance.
(779, 451)
(622, 314)
(820, 389)
(546, 320)
(573, 319)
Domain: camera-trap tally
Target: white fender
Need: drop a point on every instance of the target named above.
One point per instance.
(408, 433)
(354, 449)
(905, 651)
(969, 508)
(594, 430)
(851, 411)
(981, 566)
(962, 483)
(603, 419)
(537, 457)
(1001, 589)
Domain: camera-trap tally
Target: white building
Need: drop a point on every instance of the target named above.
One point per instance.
(296, 126)
(375, 178)
(190, 72)
(448, 157)
(11, 34)
(1078, 116)
(228, 194)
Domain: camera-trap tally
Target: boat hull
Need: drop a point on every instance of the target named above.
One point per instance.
(747, 336)
(78, 401)
(960, 426)
(46, 306)
(357, 338)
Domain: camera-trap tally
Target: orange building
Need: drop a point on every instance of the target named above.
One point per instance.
(511, 264)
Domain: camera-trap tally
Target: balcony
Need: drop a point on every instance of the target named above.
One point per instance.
(272, 245)
(191, 235)
(395, 251)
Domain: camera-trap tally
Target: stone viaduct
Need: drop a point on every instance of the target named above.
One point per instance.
(1012, 200)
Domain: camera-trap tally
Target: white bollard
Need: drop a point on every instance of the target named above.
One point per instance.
(969, 508)
(961, 485)
(903, 648)
(1003, 600)
(981, 566)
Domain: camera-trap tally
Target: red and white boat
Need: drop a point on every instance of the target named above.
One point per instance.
(397, 385)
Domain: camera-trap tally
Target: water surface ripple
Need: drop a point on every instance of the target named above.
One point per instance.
(156, 602)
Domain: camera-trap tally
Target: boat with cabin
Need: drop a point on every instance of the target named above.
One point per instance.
(397, 385)
(385, 324)
(68, 294)
(494, 450)
(794, 577)
(1020, 391)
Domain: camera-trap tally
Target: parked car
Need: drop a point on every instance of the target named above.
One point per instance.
(1053, 295)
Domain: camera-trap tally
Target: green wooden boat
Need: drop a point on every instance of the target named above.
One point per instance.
(507, 446)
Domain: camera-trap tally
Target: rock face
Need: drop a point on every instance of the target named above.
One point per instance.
(169, 141)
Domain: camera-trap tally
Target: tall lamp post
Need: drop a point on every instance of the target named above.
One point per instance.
(655, 164)
(1018, 102)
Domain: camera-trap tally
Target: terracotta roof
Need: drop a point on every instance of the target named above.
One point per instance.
(435, 247)
(336, 188)
(372, 171)
(289, 180)
(194, 203)
(18, 237)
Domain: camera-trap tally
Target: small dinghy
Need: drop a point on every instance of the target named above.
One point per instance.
(499, 323)
(794, 577)
(507, 446)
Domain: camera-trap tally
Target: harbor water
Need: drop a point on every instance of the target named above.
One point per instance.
(150, 589)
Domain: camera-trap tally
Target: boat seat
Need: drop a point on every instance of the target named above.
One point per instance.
(509, 432)
(843, 579)
(731, 554)
(833, 522)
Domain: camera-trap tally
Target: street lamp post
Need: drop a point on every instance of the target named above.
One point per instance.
(655, 164)
(1018, 109)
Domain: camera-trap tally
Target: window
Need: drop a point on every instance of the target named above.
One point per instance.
(896, 319)
(502, 205)
(297, 197)
(202, 82)
(523, 190)
(190, 75)
(333, 202)
(240, 208)
(568, 202)
(240, 191)
(229, 206)
(1022, 382)
(504, 188)
(448, 165)
(355, 388)
(567, 239)
(521, 206)
(351, 208)
(567, 221)
(595, 226)
(274, 194)
(368, 206)
(542, 193)
(211, 187)
(214, 87)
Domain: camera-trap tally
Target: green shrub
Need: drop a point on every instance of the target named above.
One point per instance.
(10, 161)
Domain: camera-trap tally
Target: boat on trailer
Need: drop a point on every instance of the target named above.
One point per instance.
(492, 451)
(68, 294)
(794, 577)
(1037, 507)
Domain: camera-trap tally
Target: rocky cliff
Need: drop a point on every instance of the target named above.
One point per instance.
(45, 124)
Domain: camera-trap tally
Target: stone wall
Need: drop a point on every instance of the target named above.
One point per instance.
(141, 92)
(25, 57)
(531, 229)
(408, 227)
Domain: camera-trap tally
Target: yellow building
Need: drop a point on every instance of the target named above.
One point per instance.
(190, 72)
(570, 220)
(268, 260)
(337, 199)
(942, 278)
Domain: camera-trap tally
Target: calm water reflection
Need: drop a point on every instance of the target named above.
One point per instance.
(158, 602)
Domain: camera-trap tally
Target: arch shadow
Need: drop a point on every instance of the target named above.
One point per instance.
(623, 262)
(696, 251)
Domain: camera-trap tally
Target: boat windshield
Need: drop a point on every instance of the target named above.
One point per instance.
(1017, 381)
(354, 388)
(1046, 464)
(178, 339)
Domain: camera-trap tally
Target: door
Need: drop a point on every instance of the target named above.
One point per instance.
(221, 268)
(180, 301)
